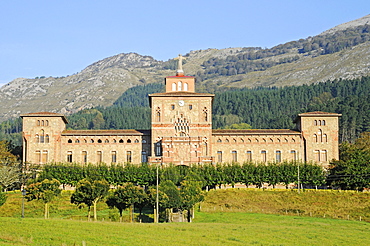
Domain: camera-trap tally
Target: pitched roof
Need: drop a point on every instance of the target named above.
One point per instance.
(129, 132)
(319, 113)
(181, 93)
(253, 131)
(45, 114)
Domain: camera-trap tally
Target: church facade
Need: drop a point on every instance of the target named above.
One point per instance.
(181, 133)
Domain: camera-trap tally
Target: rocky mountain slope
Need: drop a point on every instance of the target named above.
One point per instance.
(104, 81)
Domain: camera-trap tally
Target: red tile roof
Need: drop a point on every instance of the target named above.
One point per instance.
(128, 132)
(317, 113)
(45, 114)
(253, 131)
(181, 93)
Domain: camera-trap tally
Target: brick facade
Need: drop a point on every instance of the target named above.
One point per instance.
(181, 133)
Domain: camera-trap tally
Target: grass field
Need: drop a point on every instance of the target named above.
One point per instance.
(226, 217)
(207, 229)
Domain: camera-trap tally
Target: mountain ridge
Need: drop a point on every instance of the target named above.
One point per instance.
(102, 82)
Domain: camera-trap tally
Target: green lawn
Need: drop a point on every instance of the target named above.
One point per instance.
(207, 229)
(227, 217)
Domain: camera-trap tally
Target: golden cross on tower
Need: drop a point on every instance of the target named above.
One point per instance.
(179, 71)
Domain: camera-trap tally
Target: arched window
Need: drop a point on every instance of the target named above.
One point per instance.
(114, 141)
(158, 114)
(219, 140)
(144, 157)
(77, 141)
(219, 156)
(324, 138)
(69, 156)
(42, 136)
(46, 123)
(278, 156)
(179, 86)
(144, 141)
(320, 135)
(315, 122)
(37, 138)
(323, 122)
(234, 155)
(106, 141)
(69, 140)
(121, 141)
(91, 140)
(99, 141)
(185, 86)
(128, 140)
(173, 86)
(315, 138)
(263, 155)
(42, 123)
(84, 156)
(205, 114)
(38, 123)
(294, 155)
(136, 140)
(47, 139)
(319, 122)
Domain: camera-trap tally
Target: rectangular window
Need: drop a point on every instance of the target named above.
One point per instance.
(38, 156)
(44, 156)
(84, 156)
(234, 155)
(172, 106)
(114, 156)
(278, 156)
(324, 155)
(317, 155)
(99, 156)
(158, 149)
(69, 156)
(129, 156)
(219, 156)
(190, 107)
(249, 155)
(294, 155)
(144, 157)
(264, 155)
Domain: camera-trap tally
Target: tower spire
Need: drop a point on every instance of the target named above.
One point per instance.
(179, 71)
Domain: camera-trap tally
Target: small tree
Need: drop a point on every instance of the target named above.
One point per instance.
(90, 193)
(9, 167)
(174, 198)
(8, 176)
(191, 193)
(127, 196)
(44, 191)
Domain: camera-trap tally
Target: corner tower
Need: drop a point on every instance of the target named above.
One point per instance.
(320, 134)
(181, 122)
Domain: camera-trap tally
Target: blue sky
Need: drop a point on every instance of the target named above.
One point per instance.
(59, 38)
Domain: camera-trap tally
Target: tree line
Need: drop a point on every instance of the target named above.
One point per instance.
(210, 176)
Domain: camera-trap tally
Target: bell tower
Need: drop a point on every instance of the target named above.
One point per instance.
(181, 122)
